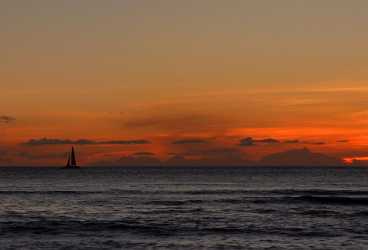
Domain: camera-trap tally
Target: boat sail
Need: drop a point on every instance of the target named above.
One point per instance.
(72, 162)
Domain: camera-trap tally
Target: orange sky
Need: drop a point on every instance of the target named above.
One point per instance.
(169, 71)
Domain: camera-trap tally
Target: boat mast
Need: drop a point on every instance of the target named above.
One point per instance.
(68, 163)
(73, 160)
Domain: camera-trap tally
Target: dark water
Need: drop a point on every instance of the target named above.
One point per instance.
(184, 208)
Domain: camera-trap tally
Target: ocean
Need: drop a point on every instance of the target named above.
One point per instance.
(184, 208)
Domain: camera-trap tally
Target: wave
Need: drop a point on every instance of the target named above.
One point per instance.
(51, 192)
(312, 199)
(361, 214)
(323, 200)
(47, 227)
(280, 192)
(172, 211)
(43, 226)
(333, 200)
(252, 191)
(174, 202)
(313, 196)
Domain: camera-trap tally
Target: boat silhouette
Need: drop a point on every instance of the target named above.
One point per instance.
(72, 162)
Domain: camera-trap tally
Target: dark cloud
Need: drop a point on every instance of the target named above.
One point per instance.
(226, 156)
(4, 156)
(7, 119)
(125, 142)
(190, 141)
(143, 154)
(212, 152)
(46, 141)
(359, 163)
(292, 141)
(5, 160)
(208, 159)
(299, 157)
(247, 142)
(268, 141)
(178, 160)
(342, 141)
(315, 143)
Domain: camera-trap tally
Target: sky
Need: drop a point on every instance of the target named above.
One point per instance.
(182, 80)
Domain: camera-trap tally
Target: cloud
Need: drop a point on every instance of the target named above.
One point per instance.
(143, 154)
(247, 142)
(126, 142)
(190, 141)
(315, 143)
(217, 156)
(5, 156)
(268, 141)
(342, 141)
(213, 152)
(299, 157)
(46, 141)
(7, 119)
(292, 141)
(210, 157)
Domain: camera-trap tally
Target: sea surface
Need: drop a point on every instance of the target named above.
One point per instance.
(184, 208)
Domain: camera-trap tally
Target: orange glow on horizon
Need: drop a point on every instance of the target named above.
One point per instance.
(351, 160)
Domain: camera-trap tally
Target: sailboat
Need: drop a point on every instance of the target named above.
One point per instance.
(72, 162)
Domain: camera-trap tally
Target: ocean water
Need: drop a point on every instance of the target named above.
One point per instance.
(184, 208)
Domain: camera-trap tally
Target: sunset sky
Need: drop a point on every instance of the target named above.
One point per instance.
(189, 79)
